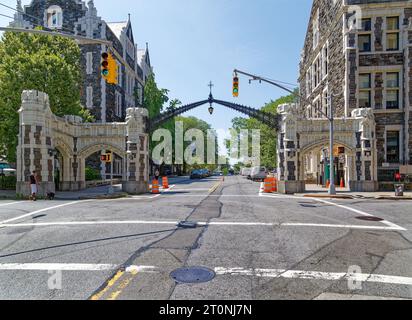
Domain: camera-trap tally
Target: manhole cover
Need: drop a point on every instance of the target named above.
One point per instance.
(193, 275)
(375, 219)
(308, 205)
(187, 225)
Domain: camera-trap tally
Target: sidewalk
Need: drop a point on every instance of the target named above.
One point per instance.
(315, 191)
(92, 193)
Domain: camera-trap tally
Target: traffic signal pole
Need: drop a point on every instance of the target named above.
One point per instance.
(332, 188)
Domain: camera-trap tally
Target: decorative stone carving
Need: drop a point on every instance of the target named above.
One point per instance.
(42, 132)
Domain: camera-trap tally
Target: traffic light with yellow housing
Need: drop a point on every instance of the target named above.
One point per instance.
(109, 68)
(235, 86)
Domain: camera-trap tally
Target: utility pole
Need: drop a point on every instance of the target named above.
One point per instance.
(332, 188)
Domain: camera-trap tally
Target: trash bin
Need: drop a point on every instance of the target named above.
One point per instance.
(399, 190)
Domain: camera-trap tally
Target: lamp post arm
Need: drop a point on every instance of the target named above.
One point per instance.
(297, 95)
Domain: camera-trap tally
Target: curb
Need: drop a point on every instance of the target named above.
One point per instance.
(393, 198)
(105, 196)
(347, 197)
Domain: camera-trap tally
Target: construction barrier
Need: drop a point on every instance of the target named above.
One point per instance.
(155, 187)
(274, 184)
(165, 183)
(268, 184)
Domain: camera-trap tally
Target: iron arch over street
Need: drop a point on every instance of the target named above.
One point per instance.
(269, 119)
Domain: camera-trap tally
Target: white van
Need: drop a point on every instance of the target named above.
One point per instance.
(246, 172)
(259, 173)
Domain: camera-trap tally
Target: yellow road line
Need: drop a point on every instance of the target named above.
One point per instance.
(214, 188)
(110, 284)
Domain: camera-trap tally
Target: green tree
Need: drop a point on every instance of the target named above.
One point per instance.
(154, 98)
(37, 62)
(268, 138)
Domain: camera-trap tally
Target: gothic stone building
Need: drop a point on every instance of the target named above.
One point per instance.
(108, 103)
(358, 52)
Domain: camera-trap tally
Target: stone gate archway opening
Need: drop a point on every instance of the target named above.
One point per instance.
(95, 169)
(315, 165)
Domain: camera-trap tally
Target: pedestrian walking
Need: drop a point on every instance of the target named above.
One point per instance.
(157, 174)
(33, 186)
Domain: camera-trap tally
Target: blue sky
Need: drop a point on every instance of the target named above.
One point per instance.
(193, 42)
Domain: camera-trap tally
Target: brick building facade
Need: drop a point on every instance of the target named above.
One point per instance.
(108, 103)
(360, 52)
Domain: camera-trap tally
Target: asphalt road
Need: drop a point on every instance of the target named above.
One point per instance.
(260, 246)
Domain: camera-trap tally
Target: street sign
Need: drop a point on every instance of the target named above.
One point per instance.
(106, 158)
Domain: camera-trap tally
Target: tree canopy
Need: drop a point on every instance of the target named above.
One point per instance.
(37, 62)
(268, 138)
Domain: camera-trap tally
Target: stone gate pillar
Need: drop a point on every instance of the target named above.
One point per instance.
(288, 152)
(366, 178)
(34, 150)
(137, 164)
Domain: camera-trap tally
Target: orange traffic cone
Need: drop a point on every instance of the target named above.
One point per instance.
(165, 183)
(327, 184)
(342, 183)
(155, 187)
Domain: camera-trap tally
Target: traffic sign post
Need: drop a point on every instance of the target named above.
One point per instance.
(108, 158)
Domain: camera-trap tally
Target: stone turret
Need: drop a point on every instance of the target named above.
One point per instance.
(34, 152)
(137, 151)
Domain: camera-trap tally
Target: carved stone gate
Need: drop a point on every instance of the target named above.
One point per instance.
(42, 134)
(298, 135)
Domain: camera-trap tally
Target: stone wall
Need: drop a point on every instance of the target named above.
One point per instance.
(330, 24)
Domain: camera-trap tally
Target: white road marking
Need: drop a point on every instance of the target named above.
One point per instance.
(220, 271)
(142, 269)
(392, 226)
(314, 275)
(9, 204)
(42, 210)
(217, 224)
(57, 266)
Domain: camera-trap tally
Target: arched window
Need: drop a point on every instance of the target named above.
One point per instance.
(54, 17)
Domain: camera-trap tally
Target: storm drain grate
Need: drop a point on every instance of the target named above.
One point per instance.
(374, 219)
(193, 275)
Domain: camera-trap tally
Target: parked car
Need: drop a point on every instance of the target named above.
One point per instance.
(7, 170)
(196, 174)
(258, 174)
(218, 173)
(246, 172)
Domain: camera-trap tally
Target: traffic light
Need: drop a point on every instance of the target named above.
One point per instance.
(109, 68)
(112, 78)
(106, 158)
(235, 86)
(105, 65)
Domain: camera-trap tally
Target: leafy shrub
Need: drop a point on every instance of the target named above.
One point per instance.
(8, 183)
(92, 174)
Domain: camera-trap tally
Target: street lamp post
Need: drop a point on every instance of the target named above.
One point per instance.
(332, 188)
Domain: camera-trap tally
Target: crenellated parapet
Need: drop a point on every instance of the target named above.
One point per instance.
(42, 134)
